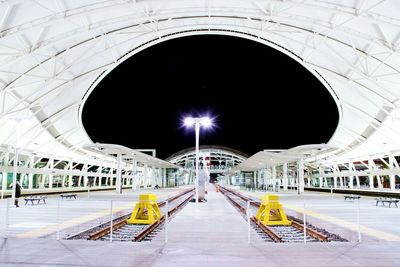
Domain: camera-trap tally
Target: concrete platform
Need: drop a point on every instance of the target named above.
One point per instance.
(212, 222)
(49, 253)
(211, 234)
(61, 217)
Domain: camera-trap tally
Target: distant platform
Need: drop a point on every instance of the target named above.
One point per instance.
(363, 192)
(60, 190)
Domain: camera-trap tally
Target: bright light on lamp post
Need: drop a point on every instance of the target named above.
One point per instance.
(197, 122)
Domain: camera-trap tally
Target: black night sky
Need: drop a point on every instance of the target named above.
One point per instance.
(259, 98)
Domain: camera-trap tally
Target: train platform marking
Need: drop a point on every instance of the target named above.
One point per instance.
(51, 229)
(347, 224)
(340, 222)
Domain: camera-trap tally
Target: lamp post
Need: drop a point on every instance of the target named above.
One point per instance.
(197, 122)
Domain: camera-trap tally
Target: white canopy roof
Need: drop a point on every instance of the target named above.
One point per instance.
(128, 154)
(53, 54)
(269, 158)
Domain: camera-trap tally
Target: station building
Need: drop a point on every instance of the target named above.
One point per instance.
(53, 54)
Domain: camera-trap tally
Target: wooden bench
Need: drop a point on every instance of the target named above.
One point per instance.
(351, 197)
(68, 196)
(34, 199)
(387, 200)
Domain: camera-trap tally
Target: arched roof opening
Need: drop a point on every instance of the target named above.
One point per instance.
(54, 54)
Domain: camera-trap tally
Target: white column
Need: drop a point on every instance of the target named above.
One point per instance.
(358, 181)
(4, 180)
(110, 181)
(123, 173)
(254, 179)
(351, 181)
(64, 178)
(392, 176)
(292, 179)
(165, 176)
(285, 177)
(15, 171)
(85, 176)
(351, 178)
(371, 177)
(134, 174)
(145, 175)
(300, 174)
(99, 176)
(153, 176)
(30, 174)
(321, 178)
(118, 183)
(158, 179)
(265, 178)
(4, 175)
(70, 181)
(378, 178)
(51, 165)
(274, 178)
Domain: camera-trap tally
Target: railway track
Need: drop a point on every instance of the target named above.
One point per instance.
(122, 231)
(292, 233)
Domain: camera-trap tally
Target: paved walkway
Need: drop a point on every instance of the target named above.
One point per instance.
(49, 253)
(211, 222)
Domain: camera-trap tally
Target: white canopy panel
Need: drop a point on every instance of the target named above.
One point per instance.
(129, 155)
(53, 53)
(270, 158)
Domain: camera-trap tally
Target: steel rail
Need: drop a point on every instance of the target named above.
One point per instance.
(268, 230)
(311, 232)
(106, 230)
(145, 232)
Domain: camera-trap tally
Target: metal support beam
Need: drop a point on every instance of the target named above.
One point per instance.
(274, 178)
(30, 174)
(371, 177)
(300, 177)
(392, 177)
(118, 183)
(50, 166)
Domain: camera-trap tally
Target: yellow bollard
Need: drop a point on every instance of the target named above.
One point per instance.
(216, 188)
(146, 211)
(271, 211)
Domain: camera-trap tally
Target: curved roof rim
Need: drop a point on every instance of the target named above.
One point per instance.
(233, 33)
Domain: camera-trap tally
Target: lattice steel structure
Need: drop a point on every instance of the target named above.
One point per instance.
(54, 53)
